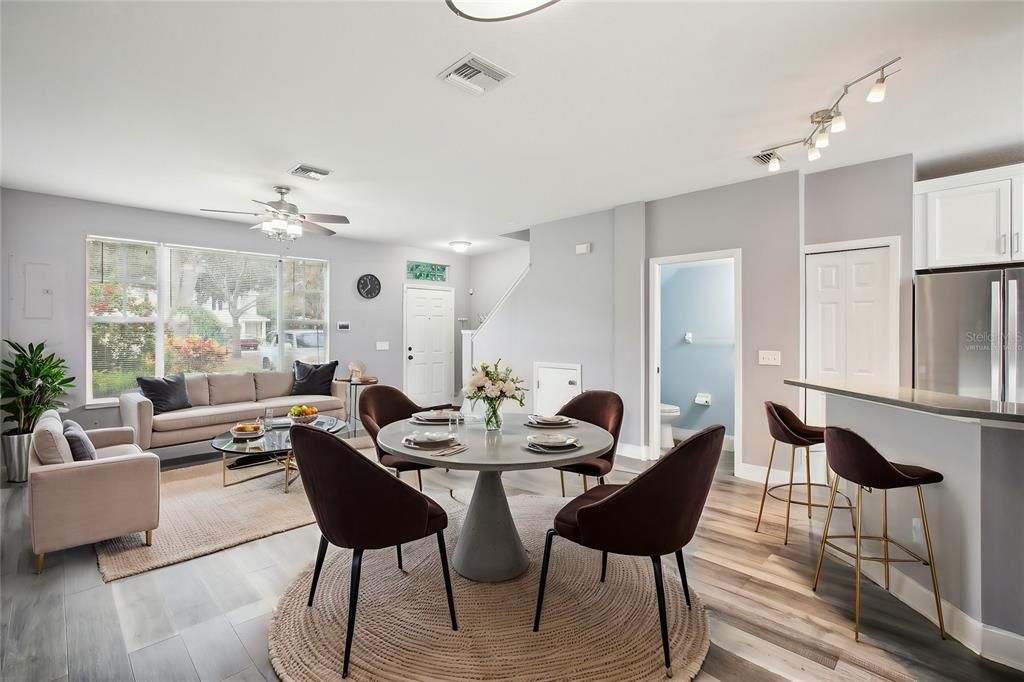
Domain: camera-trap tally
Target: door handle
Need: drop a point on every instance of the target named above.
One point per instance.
(1002, 243)
(410, 349)
(410, 357)
(1012, 339)
(1015, 242)
(572, 382)
(996, 342)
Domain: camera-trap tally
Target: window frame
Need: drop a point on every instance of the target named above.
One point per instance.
(161, 311)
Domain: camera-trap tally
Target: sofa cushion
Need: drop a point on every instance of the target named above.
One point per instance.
(116, 450)
(231, 388)
(82, 449)
(167, 393)
(282, 404)
(48, 441)
(198, 389)
(313, 379)
(194, 417)
(273, 384)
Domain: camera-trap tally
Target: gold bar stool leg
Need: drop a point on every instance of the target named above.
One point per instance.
(931, 564)
(764, 493)
(885, 536)
(856, 607)
(807, 463)
(561, 476)
(419, 480)
(824, 533)
(585, 484)
(149, 538)
(789, 502)
(39, 562)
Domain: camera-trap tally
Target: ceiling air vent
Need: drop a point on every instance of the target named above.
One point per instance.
(309, 172)
(762, 159)
(474, 74)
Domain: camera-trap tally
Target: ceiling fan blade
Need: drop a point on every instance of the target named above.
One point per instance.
(263, 203)
(313, 228)
(327, 218)
(217, 210)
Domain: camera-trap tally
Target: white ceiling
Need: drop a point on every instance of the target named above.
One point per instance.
(179, 106)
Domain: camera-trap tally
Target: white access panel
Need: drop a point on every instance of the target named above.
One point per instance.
(555, 384)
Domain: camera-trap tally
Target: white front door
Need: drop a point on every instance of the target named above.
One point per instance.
(429, 345)
(850, 335)
(554, 385)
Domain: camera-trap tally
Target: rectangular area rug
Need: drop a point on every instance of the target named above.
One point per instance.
(199, 516)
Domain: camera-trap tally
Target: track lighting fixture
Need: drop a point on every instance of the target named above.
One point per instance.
(827, 121)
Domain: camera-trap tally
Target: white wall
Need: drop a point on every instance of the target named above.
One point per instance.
(492, 274)
(43, 228)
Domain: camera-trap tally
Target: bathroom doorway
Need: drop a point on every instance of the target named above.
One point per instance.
(696, 348)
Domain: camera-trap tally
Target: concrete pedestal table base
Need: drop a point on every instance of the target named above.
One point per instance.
(489, 548)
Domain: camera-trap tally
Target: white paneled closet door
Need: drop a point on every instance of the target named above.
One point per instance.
(851, 339)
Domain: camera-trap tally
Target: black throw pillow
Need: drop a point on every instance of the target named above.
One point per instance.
(82, 448)
(167, 393)
(313, 379)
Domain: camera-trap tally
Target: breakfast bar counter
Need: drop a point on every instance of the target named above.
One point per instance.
(976, 513)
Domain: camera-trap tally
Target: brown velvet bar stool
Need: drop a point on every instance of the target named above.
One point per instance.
(600, 408)
(381, 405)
(854, 459)
(785, 427)
(617, 518)
(359, 506)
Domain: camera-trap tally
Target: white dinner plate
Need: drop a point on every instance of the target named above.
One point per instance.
(554, 419)
(551, 441)
(428, 438)
(437, 416)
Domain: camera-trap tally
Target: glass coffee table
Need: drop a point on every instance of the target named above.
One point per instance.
(274, 447)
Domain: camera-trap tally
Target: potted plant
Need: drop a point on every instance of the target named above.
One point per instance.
(494, 386)
(31, 382)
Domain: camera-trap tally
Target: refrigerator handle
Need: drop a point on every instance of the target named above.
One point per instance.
(1012, 329)
(996, 344)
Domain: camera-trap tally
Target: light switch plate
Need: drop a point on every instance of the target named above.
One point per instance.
(383, 345)
(344, 326)
(769, 357)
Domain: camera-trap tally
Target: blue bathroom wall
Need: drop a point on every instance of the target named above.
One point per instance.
(698, 298)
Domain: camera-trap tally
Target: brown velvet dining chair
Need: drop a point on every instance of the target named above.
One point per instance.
(617, 519)
(381, 405)
(601, 408)
(359, 506)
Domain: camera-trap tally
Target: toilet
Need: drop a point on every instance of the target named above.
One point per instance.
(668, 415)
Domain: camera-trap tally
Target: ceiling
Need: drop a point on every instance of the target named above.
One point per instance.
(178, 106)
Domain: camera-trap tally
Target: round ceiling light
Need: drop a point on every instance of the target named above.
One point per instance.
(496, 10)
(460, 246)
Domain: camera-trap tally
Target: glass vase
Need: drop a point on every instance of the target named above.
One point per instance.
(492, 415)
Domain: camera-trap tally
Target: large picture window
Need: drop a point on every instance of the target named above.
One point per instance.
(156, 309)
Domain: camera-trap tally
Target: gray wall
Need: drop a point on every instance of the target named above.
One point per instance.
(872, 199)
(43, 228)
(628, 360)
(762, 218)
(560, 312)
(492, 274)
(699, 298)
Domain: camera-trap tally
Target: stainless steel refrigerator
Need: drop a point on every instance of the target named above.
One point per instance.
(967, 332)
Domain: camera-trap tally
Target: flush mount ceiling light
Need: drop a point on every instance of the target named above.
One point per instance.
(496, 10)
(459, 247)
(827, 121)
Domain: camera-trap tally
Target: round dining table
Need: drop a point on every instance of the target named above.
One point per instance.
(488, 548)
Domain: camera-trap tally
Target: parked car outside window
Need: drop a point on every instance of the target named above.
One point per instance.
(306, 345)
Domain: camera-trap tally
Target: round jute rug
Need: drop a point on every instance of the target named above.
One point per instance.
(593, 631)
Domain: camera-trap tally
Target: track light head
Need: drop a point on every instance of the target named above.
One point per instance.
(877, 92)
(813, 153)
(821, 139)
(838, 123)
(775, 163)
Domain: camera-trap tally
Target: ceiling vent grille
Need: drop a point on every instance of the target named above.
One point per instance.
(474, 74)
(762, 159)
(309, 172)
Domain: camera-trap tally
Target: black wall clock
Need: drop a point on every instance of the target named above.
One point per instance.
(368, 286)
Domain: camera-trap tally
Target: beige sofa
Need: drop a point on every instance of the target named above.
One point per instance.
(219, 401)
(77, 503)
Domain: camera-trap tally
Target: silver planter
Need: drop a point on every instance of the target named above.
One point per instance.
(16, 449)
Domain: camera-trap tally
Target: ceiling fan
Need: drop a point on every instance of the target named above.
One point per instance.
(282, 221)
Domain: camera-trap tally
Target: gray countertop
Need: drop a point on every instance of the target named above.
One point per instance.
(945, 404)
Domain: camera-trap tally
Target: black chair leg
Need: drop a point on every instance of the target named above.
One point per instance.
(660, 585)
(543, 577)
(447, 577)
(604, 565)
(399, 548)
(682, 576)
(321, 553)
(353, 597)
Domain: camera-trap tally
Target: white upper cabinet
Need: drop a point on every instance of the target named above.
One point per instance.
(971, 219)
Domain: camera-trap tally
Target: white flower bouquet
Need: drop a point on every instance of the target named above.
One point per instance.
(494, 385)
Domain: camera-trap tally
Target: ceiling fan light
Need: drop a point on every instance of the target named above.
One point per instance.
(459, 246)
(821, 139)
(877, 92)
(775, 163)
(838, 123)
(293, 229)
(813, 153)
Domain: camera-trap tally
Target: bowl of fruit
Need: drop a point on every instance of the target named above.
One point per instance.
(303, 414)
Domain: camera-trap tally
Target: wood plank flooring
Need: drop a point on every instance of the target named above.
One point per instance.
(207, 619)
